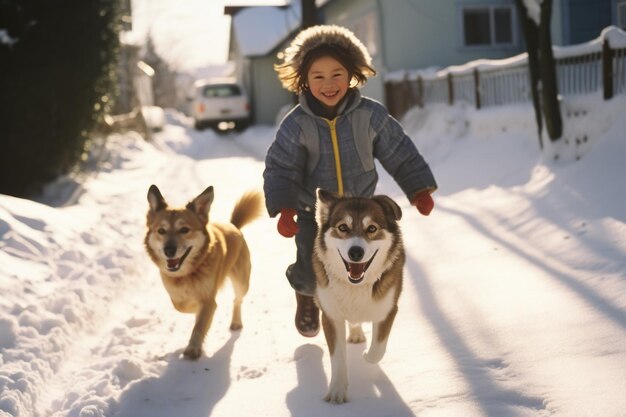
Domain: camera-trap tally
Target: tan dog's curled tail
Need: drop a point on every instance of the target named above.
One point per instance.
(248, 208)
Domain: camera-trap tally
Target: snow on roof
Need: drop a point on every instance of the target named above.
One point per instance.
(250, 3)
(259, 30)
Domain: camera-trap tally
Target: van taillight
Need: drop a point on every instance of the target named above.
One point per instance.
(201, 108)
(247, 106)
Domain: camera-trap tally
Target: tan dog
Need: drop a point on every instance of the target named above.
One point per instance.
(194, 256)
(358, 260)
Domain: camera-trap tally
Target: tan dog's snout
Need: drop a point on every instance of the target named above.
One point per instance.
(170, 249)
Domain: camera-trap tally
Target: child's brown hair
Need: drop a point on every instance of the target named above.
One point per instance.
(324, 40)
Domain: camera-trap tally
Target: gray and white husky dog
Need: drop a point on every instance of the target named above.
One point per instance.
(358, 260)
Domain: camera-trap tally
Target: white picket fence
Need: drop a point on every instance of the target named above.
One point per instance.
(581, 69)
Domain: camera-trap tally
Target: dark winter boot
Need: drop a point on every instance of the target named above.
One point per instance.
(307, 316)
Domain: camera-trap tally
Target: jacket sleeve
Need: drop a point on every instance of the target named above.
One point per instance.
(399, 156)
(285, 164)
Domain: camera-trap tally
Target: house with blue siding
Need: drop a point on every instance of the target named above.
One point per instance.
(412, 34)
(401, 34)
(579, 21)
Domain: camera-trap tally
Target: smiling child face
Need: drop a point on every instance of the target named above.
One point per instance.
(328, 81)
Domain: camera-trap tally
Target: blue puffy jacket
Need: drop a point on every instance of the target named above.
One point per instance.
(310, 151)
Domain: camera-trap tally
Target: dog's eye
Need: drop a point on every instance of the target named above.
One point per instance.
(161, 231)
(372, 229)
(183, 230)
(343, 228)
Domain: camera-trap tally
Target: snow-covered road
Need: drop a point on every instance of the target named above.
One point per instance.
(514, 301)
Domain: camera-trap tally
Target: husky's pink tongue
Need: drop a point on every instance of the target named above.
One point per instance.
(356, 270)
(172, 263)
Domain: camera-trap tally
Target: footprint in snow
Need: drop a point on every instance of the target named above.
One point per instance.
(250, 373)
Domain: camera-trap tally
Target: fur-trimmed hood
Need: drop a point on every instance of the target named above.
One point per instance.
(342, 40)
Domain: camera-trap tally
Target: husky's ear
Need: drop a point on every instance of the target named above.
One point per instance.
(202, 204)
(155, 199)
(324, 200)
(391, 208)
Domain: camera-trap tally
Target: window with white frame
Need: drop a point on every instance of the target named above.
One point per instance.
(487, 26)
(621, 14)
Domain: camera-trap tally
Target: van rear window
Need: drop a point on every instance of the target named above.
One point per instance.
(221, 90)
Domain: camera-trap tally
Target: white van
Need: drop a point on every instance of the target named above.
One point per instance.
(220, 104)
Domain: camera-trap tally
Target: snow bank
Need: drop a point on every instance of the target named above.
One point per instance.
(513, 305)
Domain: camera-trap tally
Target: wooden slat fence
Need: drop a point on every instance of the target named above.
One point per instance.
(580, 74)
(508, 84)
(619, 71)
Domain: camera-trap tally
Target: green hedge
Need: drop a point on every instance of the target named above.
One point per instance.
(57, 71)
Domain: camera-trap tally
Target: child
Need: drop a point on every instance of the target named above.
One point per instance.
(329, 140)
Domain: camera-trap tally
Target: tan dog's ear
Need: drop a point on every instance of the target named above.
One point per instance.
(155, 199)
(391, 208)
(202, 204)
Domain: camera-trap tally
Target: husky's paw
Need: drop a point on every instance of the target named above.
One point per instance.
(192, 352)
(337, 395)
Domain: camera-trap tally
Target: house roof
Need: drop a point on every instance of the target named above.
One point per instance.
(260, 30)
(235, 6)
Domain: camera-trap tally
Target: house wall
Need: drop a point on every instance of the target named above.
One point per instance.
(416, 34)
(586, 19)
(619, 13)
(405, 30)
(241, 63)
(269, 95)
(410, 27)
(579, 21)
(363, 18)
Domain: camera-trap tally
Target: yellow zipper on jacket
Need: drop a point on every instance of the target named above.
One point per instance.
(332, 124)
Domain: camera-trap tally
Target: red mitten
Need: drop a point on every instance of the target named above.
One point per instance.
(286, 225)
(424, 202)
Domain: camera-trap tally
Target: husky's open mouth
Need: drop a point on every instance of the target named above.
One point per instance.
(356, 271)
(174, 265)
